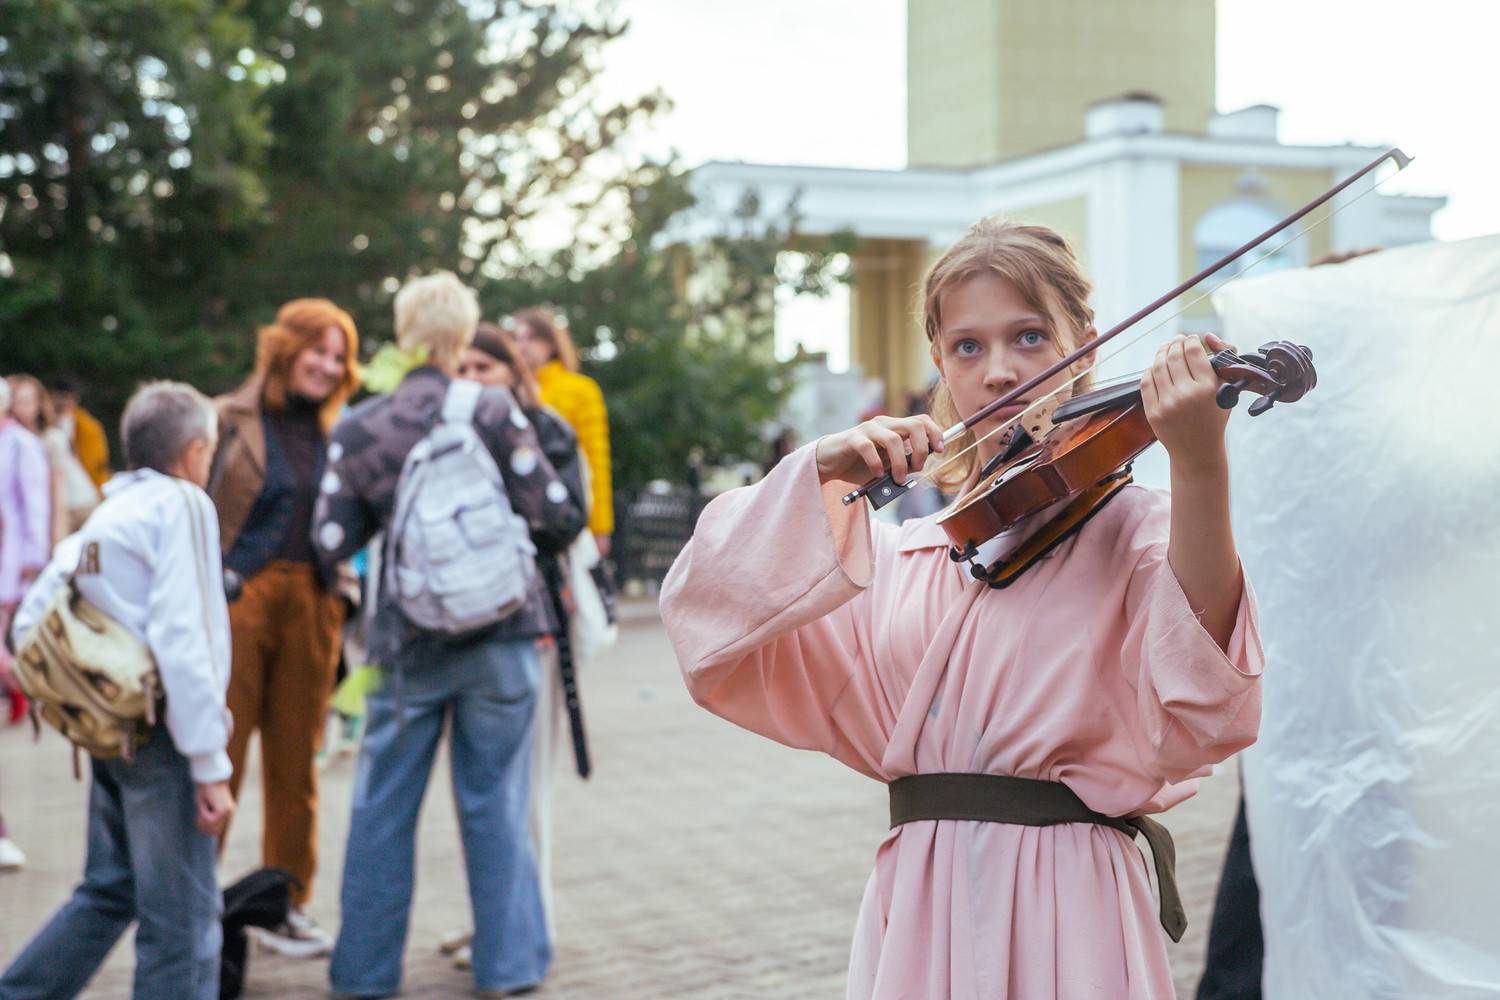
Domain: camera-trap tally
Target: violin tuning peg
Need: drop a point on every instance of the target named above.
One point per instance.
(1265, 402)
(1228, 395)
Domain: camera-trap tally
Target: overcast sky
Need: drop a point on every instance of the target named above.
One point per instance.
(824, 82)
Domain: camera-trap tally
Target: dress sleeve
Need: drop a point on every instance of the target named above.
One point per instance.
(761, 606)
(1197, 704)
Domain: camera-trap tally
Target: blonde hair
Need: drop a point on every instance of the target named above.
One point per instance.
(543, 323)
(299, 324)
(45, 416)
(1043, 269)
(439, 313)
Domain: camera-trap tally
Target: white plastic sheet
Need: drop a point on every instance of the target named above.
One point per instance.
(1368, 516)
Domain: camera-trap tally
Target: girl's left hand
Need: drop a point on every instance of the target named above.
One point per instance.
(1178, 392)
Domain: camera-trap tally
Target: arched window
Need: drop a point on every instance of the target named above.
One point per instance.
(1229, 224)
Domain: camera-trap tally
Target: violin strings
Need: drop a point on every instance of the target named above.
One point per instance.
(1119, 349)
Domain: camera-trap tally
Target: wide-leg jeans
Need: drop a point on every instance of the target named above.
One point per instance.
(147, 862)
(489, 690)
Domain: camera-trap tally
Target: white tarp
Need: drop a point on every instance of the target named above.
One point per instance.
(1368, 517)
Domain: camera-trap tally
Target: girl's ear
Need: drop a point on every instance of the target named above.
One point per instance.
(1087, 361)
(937, 360)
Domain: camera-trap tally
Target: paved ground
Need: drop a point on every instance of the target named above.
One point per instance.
(699, 861)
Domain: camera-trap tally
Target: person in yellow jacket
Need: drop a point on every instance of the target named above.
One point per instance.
(89, 443)
(549, 351)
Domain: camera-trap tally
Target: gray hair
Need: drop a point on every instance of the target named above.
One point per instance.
(161, 420)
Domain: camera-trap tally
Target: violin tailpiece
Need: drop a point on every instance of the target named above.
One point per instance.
(1006, 571)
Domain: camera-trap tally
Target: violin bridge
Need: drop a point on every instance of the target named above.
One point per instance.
(1036, 419)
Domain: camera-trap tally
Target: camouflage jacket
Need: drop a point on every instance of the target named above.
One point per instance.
(358, 493)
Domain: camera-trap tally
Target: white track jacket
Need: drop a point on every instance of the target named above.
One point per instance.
(158, 572)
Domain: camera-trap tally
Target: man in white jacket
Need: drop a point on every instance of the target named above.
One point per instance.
(153, 565)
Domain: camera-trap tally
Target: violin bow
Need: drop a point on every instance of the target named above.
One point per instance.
(884, 490)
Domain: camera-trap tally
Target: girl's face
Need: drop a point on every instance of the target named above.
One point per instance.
(991, 341)
(533, 346)
(25, 406)
(478, 366)
(320, 367)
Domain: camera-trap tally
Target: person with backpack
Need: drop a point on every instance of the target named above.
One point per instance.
(148, 562)
(452, 474)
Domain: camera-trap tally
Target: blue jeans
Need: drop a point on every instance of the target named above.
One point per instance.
(147, 862)
(490, 689)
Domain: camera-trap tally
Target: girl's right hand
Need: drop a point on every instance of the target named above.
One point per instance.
(867, 451)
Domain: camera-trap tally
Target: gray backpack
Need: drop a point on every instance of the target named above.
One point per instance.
(458, 557)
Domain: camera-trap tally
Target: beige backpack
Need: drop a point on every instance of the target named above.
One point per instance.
(89, 676)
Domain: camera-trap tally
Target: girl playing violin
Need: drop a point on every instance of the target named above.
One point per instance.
(1099, 683)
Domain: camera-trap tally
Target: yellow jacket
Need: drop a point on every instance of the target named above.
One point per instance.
(577, 399)
(90, 445)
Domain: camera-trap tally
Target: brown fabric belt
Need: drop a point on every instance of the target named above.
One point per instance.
(997, 798)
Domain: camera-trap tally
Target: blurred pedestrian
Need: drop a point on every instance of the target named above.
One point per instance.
(31, 407)
(494, 359)
(549, 351)
(482, 681)
(22, 472)
(35, 495)
(89, 442)
(148, 559)
(287, 622)
(74, 494)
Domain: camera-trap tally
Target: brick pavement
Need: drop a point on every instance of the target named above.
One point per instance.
(699, 861)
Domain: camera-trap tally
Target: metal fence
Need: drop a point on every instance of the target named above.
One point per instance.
(651, 527)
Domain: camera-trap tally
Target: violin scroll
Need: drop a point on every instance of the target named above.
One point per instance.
(1280, 372)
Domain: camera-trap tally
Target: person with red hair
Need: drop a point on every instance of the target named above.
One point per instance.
(287, 621)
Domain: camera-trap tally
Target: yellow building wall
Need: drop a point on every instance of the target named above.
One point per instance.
(952, 82)
(1069, 217)
(989, 80)
(886, 339)
(1285, 189)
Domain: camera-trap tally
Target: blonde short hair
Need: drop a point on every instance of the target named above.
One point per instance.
(439, 313)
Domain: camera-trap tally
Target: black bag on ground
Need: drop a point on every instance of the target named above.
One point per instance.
(260, 899)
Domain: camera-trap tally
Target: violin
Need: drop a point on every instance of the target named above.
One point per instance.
(1086, 450)
(1082, 448)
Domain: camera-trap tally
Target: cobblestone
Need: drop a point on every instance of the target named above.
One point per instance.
(699, 860)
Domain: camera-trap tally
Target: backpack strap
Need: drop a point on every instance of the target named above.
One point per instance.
(461, 401)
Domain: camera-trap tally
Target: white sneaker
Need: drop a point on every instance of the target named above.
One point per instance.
(299, 937)
(11, 856)
(463, 958)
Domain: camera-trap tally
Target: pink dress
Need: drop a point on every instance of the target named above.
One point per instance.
(800, 619)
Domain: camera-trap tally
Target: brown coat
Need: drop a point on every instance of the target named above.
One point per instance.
(239, 474)
(239, 471)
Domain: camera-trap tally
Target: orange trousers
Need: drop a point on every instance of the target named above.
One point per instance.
(286, 631)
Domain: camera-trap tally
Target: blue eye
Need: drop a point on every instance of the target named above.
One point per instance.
(1032, 338)
(966, 348)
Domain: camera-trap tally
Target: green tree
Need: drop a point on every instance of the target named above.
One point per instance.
(679, 335)
(173, 170)
(131, 155)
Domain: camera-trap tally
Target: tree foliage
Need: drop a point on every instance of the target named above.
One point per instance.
(172, 170)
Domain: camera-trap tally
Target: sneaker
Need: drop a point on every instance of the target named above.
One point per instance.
(11, 856)
(299, 937)
(463, 958)
(449, 943)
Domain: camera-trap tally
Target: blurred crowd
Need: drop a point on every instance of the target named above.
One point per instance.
(316, 628)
